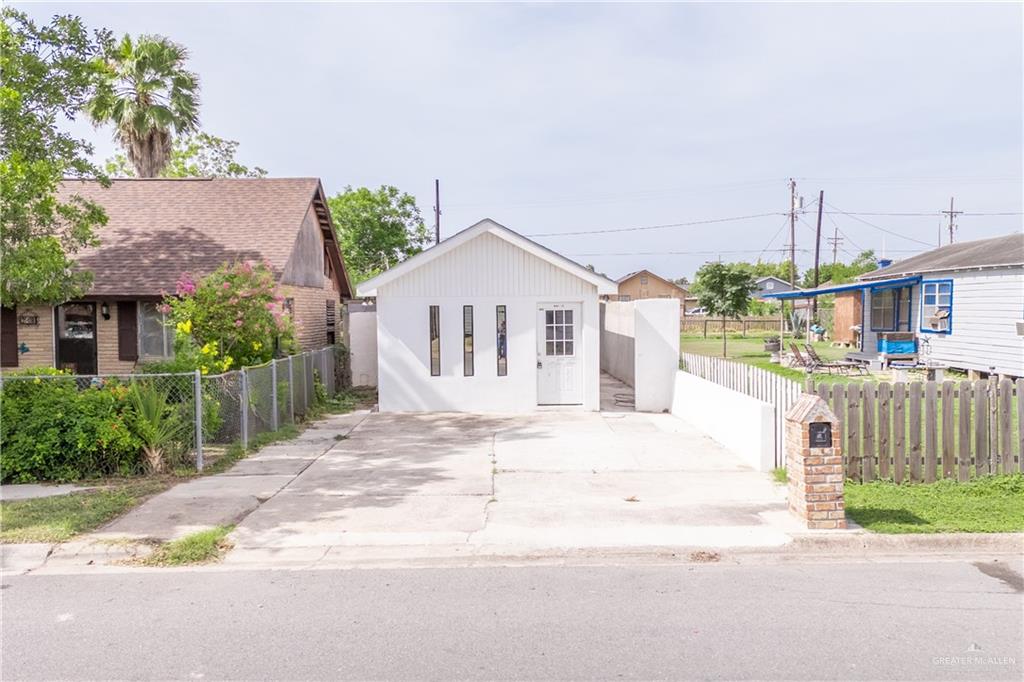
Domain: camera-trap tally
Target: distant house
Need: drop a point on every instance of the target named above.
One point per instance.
(159, 229)
(771, 285)
(646, 284)
(959, 306)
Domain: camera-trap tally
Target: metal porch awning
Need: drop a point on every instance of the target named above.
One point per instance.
(855, 286)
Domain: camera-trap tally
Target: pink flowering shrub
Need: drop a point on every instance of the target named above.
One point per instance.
(229, 319)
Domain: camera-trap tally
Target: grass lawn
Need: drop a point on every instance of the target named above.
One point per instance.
(750, 350)
(991, 504)
(197, 548)
(60, 518)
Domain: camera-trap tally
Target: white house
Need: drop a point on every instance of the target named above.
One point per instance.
(487, 321)
(959, 306)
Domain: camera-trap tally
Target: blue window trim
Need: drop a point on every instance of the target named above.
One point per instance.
(921, 321)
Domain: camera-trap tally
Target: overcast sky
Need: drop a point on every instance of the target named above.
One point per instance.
(567, 118)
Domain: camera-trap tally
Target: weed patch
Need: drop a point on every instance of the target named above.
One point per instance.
(198, 548)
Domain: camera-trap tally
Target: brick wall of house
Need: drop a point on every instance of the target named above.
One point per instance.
(311, 314)
(39, 339)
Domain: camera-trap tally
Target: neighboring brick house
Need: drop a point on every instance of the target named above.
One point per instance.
(161, 228)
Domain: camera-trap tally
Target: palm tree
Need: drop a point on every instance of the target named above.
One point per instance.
(148, 95)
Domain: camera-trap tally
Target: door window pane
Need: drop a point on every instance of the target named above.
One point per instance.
(558, 332)
(76, 321)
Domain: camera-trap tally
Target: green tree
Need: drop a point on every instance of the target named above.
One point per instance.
(724, 289)
(842, 273)
(199, 155)
(148, 96)
(46, 75)
(377, 229)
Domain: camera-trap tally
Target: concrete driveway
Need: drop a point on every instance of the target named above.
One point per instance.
(483, 484)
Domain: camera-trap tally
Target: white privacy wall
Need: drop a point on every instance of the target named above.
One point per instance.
(618, 344)
(656, 328)
(744, 425)
(640, 347)
(485, 272)
(362, 334)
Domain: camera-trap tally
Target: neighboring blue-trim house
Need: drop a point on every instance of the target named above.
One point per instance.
(959, 306)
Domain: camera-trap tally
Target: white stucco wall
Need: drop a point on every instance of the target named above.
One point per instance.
(744, 425)
(656, 327)
(618, 346)
(485, 272)
(362, 332)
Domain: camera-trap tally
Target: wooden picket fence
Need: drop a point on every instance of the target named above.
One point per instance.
(925, 431)
(915, 431)
(753, 381)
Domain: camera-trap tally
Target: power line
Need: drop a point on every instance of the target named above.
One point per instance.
(877, 227)
(654, 227)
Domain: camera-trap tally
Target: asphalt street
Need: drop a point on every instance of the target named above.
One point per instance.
(900, 620)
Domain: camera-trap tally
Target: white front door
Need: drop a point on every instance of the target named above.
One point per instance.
(559, 367)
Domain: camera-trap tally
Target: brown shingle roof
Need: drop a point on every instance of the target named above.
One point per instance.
(159, 228)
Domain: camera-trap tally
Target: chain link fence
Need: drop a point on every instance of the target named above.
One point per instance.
(208, 410)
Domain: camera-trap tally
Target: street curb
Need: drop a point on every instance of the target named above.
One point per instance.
(945, 543)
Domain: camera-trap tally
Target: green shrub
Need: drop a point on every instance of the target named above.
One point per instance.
(52, 429)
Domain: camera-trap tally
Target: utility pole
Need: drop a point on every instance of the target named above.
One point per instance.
(817, 250)
(792, 232)
(437, 211)
(952, 224)
(835, 240)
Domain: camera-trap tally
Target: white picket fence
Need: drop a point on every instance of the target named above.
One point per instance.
(766, 386)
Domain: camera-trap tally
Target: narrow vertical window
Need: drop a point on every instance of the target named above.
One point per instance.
(502, 344)
(435, 341)
(467, 340)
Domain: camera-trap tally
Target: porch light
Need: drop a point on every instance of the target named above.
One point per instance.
(105, 310)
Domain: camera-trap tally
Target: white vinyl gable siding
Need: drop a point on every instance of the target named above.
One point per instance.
(488, 265)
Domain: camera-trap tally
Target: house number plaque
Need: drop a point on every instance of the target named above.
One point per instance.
(820, 434)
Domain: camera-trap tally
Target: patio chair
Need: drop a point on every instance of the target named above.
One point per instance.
(800, 361)
(843, 366)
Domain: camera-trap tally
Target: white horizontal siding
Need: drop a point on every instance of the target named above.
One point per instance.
(488, 266)
(986, 306)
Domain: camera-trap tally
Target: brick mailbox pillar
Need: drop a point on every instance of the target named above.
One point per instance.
(814, 463)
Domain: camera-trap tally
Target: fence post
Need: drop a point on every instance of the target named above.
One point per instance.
(197, 398)
(291, 390)
(243, 405)
(273, 395)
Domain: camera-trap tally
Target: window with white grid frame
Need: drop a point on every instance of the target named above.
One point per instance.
(558, 332)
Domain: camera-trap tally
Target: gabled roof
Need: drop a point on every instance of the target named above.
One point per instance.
(622, 279)
(159, 228)
(603, 284)
(777, 279)
(1005, 251)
